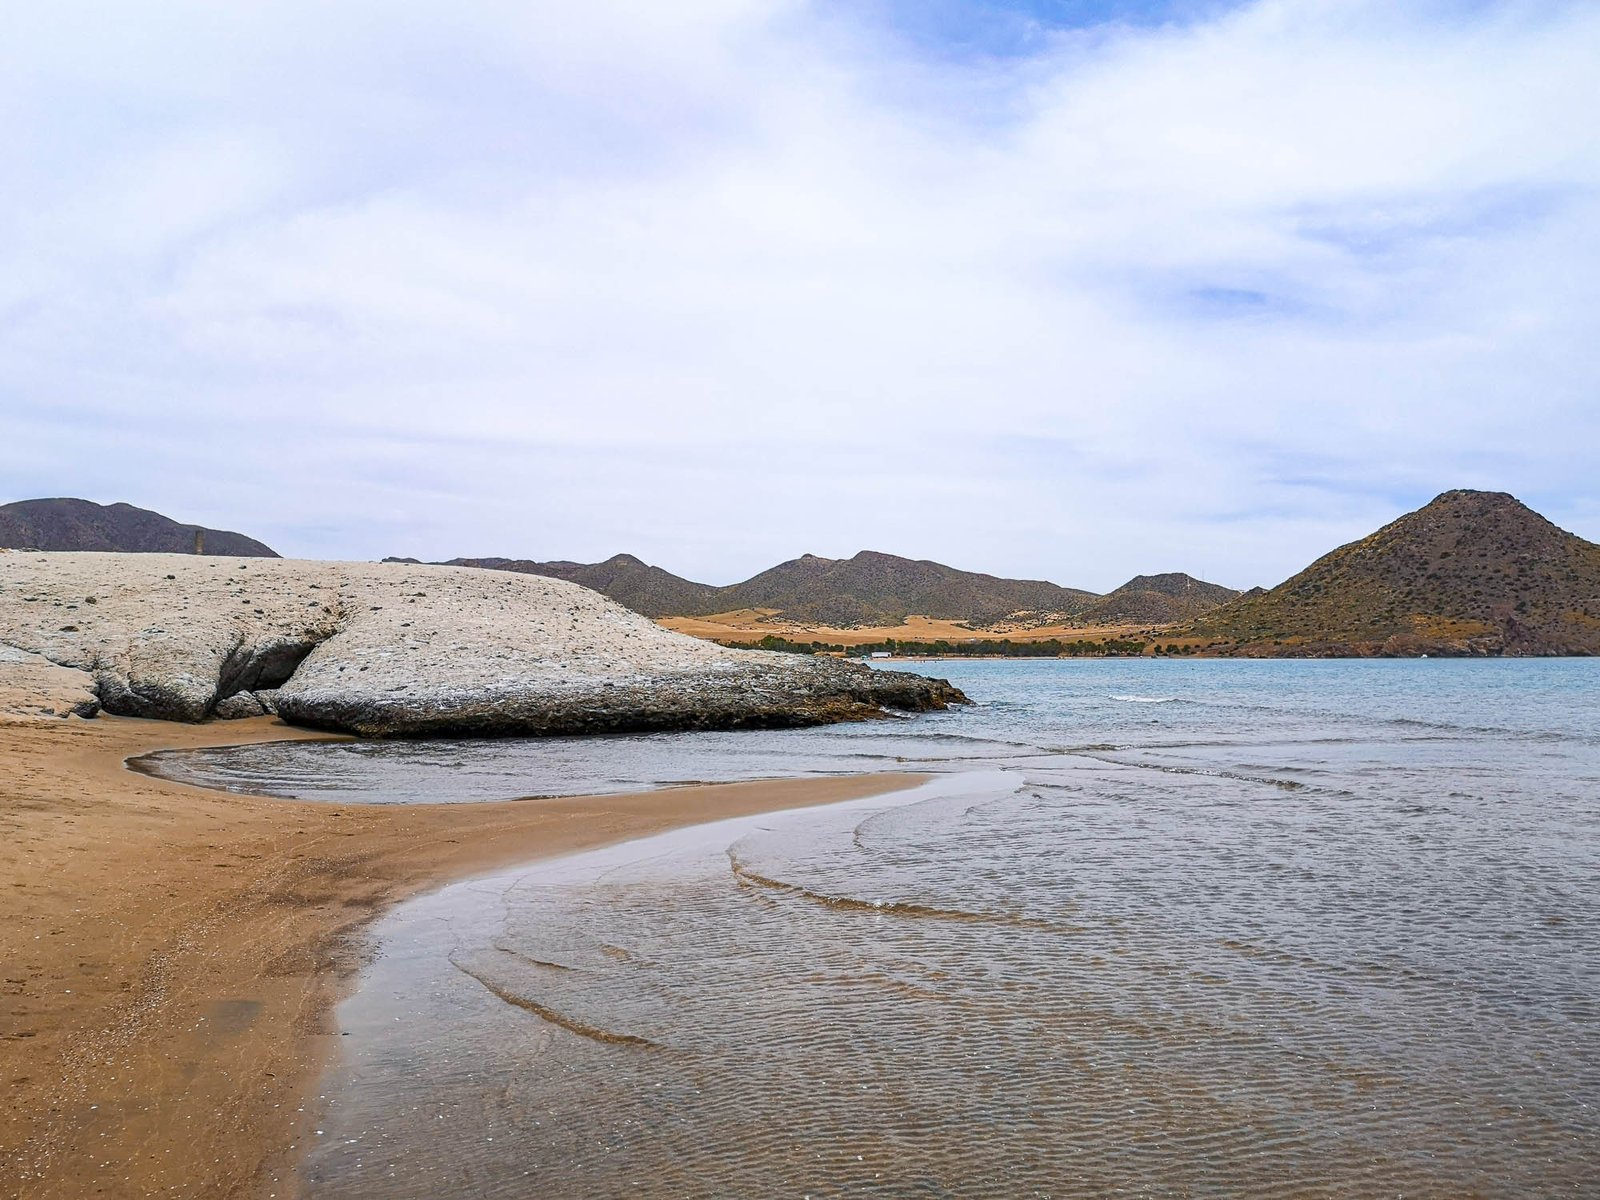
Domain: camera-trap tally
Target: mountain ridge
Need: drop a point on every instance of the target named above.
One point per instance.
(1471, 572)
(870, 587)
(66, 523)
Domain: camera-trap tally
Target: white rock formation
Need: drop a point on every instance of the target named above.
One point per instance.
(394, 648)
(33, 686)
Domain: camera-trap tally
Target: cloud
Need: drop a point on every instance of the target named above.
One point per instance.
(720, 282)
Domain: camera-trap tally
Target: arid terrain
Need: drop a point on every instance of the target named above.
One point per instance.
(750, 625)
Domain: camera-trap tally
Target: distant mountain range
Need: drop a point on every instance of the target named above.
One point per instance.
(68, 524)
(873, 588)
(1470, 573)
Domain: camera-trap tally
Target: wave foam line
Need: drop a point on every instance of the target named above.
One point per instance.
(543, 1012)
(1287, 785)
(897, 908)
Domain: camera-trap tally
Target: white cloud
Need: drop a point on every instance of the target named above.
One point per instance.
(719, 282)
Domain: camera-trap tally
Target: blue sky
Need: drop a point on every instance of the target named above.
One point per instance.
(1061, 290)
(961, 29)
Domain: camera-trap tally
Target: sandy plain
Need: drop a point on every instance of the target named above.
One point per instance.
(170, 956)
(750, 625)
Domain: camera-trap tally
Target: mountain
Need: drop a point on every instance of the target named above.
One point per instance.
(67, 524)
(869, 589)
(1158, 600)
(626, 579)
(883, 589)
(1469, 573)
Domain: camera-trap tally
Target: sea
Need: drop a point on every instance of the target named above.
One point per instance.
(1165, 928)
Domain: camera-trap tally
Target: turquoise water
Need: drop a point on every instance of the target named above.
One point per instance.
(1156, 929)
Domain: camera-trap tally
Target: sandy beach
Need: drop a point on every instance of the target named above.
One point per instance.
(171, 955)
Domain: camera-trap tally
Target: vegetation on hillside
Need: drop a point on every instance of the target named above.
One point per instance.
(1470, 573)
(872, 588)
(883, 589)
(868, 589)
(997, 648)
(1158, 600)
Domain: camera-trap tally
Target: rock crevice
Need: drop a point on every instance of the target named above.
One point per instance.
(254, 666)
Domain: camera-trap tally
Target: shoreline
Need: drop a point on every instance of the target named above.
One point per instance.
(173, 954)
(415, 971)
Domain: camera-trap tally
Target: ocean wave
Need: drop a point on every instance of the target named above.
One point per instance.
(544, 1012)
(1287, 785)
(745, 877)
(1146, 699)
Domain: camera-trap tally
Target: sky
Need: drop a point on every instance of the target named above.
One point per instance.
(1063, 289)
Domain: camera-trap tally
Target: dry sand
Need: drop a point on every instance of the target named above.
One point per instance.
(169, 956)
(752, 624)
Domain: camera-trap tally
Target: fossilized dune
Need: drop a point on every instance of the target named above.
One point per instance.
(386, 649)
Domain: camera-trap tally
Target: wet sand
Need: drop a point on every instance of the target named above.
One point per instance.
(170, 956)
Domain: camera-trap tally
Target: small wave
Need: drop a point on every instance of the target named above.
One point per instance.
(1146, 699)
(534, 962)
(570, 1024)
(1288, 785)
(898, 908)
(974, 739)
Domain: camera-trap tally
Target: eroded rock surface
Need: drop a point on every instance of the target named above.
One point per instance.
(397, 649)
(31, 685)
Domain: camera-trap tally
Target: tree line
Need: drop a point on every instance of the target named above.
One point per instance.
(1003, 648)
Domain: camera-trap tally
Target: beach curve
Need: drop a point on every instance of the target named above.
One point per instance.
(173, 954)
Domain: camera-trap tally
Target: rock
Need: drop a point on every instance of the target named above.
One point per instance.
(33, 686)
(238, 706)
(398, 649)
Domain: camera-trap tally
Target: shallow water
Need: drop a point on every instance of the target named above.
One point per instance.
(1158, 929)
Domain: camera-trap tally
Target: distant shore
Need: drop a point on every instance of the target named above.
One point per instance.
(751, 625)
(921, 639)
(173, 953)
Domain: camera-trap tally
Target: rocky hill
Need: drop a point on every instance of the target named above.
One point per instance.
(871, 588)
(393, 649)
(68, 524)
(626, 579)
(1470, 573)
(876, 589)
(1158, 600)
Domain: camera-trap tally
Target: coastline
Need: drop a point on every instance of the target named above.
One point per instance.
(173, 954)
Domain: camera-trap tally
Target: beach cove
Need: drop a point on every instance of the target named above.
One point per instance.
(1259, 928)
(989, 600)
(172, 954)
